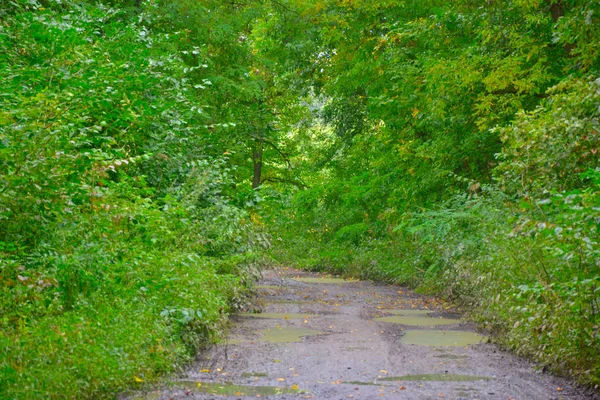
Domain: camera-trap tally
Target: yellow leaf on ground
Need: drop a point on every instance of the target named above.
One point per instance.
(137, 379)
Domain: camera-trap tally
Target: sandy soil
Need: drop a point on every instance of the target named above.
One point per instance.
(322, 339)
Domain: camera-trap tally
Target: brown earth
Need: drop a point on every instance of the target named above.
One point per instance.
(322, 339)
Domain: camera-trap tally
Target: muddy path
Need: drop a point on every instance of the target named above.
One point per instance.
(313, 337)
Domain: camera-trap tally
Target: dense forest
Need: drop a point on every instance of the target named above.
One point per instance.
(155, 155)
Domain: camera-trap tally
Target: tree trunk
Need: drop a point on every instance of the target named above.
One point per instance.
(257, 161)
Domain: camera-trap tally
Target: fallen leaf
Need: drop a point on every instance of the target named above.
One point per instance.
(280, 379)
(205, 370)
(295, 387)
(402, 388)
(559, 389)
(137, 379)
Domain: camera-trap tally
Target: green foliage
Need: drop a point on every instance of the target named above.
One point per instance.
(446, 145)
(454, 148)
(123, 243)
(550, 147)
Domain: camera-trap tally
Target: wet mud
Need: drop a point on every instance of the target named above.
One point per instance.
(310, 336)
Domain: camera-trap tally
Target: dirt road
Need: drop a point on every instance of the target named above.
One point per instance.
(313, 337)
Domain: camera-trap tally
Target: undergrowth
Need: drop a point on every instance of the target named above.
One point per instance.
(123, 247)
(527, 276)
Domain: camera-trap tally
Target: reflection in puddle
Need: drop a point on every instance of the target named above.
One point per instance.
(451, 356)
(286, 335)
(221, 389)
(406, 312)
(254, 375)
(276, 335)
(276, 315)
(358, 383)
(325, 280)
(271, 301)
(417, 320)
(441, 338)
(438, 378)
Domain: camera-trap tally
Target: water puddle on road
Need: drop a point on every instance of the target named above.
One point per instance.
(407, 312)
(359, 383)
(289, 302)
(441, 338)
(325, 280)
(285, 335)
(417, 320)
(254, 375)
(437, 378)
(451, 356)
(220, 389)
(285, 316)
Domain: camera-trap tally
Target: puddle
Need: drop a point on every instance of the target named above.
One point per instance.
(229, 389)
(417, 321)
(407, 312)
(441, 338)
(325, 280)
(437, 378)
(451, 356)
(276, 315)
(286, 335)
(276, 335)
(220, 389)
(289, 302)
(254, 375)
(358, 383)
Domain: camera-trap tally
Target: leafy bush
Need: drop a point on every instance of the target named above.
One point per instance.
(121, 252)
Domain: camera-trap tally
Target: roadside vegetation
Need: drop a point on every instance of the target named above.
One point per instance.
(151, 151)
(455, 147)
(123, 241)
